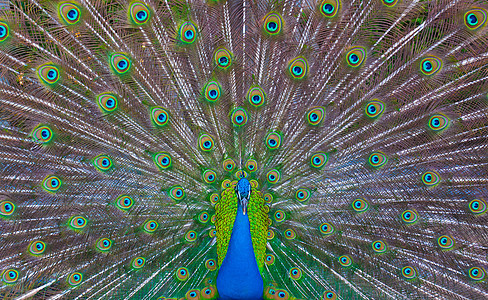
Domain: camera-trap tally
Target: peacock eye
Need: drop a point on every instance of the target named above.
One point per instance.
(409, 272)
(151, 226)
(77, 222)
(177, 193)
(374, 108)
(256, 96)
(430, 65)
(295, 273)
(379, 246)
(107, 102)
(103, 163)
(124, 202)
(445, 242)
(138, 262)
(273, 140)
(273, 24)
(298, 68)
(330, 295)
(42, 134)
(345, 261)
(51, 183)
(477, 273)
(69, 13)
(37, 247)
(120, 63)
(104, 244)
(316, 115)
(212, 91)
(390, 3)
(409, 217)
(139, 13)
(430, 178)
(273, 176)
(329, 8)
(159, 116)
(187, 33)
(162, 160)
(206, 142)
(475, 18)
(75, 279)
(48, 73)
(356, 56)
(438, 122)
(326, 228)
(239, 117)
(279, 216)
(4, 31)
(377, 159)
(223, 58)
(360, 205)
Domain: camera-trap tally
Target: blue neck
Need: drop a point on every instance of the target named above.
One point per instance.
(239, 276)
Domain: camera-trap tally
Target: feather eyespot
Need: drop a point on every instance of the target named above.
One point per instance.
(374, 108)
(270, 259)
(7, 208)
(409, 272)
(431, 179)
(70, 13)
(438, 122)
(124, 202)
(4, 31)
(409, 217)
(75, 279)
(211, 264)
(273, 176)
(477, 273)
(273, 140)
(475, 18)
(42, 134)
(270, 234)
(51, 184)
(282, 294)
(326, 228)
(177, 193)
(445, 242)
(256, 96)
(290, 234)
(193, 294)
(37, 247)
(203, 217)
(268, 198)
(139, 13)
(223, 58)
(360, 205)
(159, 116)
(315, 115)
(252, 165)
(329, 295)
(356, 56)
(389, 3)
(273, 24)
(477, 206)
(302, 195)
(182, 274)
(138, 262)
(318, 160)
(206, 142)
(430, 65)
(279, 216)
(48, 73)
(239, 117)
(379, 246)
(212, 91)
(329, 8)
(208, 293)
(10, 276)
(212, 233)
(298, 68)
(229, 165)
(150, 226)
(191, 236)
(77, 222)
(120, 63)
(345, 260)
(107, 102)
(103, 163)
(209, 176)
(226, 184)
(104, 244)
(162, 160)
(241, 174)
(377, 160)
(295, 273)
(187, 33)
(214, 198)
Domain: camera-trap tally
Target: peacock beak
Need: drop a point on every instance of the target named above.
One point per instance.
(244, 205)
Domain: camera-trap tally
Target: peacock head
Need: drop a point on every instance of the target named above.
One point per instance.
(243, 190)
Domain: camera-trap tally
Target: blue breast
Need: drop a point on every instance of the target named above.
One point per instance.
(239, 276)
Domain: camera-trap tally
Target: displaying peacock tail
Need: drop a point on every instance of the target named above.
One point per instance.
(210, 149)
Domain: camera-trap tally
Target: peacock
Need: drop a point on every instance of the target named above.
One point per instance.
(243, 149)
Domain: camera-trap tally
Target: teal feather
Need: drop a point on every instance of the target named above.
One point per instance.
(361, 127)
